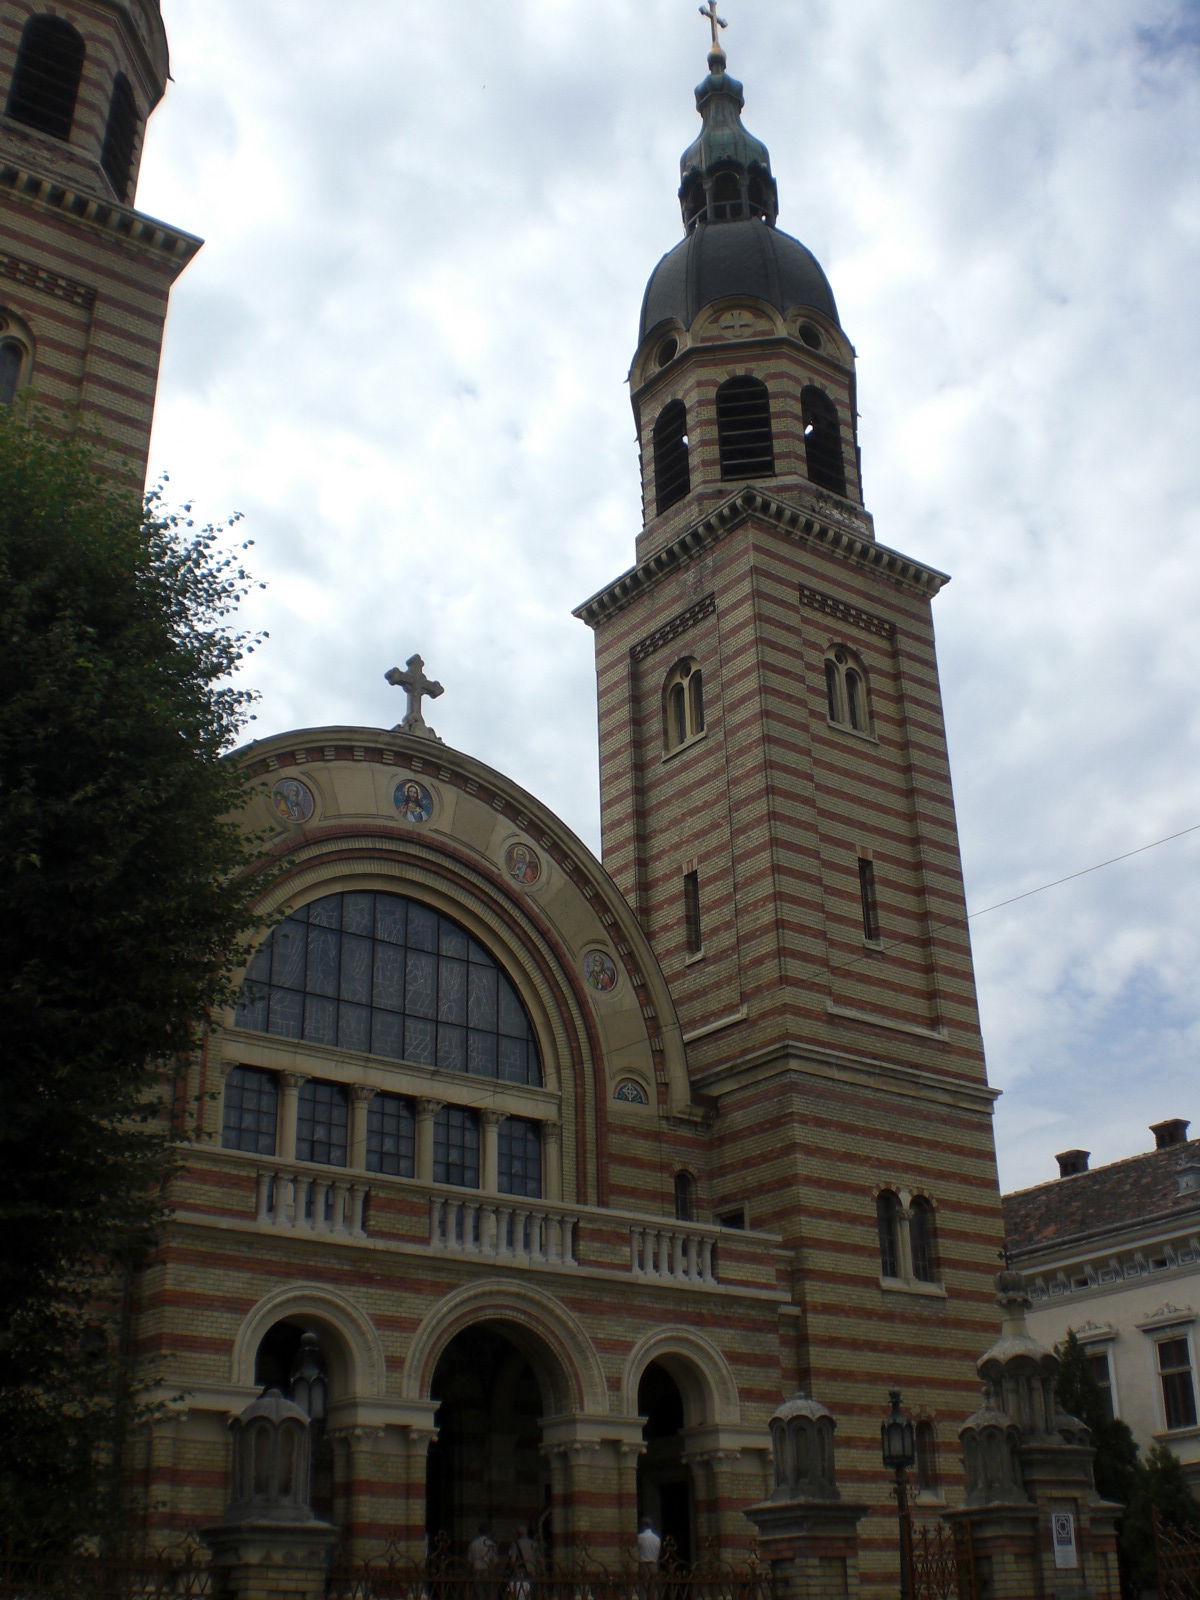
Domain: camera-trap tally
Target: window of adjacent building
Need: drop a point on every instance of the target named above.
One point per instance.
(744, 435)
(1175, 1376)
(846, 690)
(251, 1111)
(672, 456)
(683, 704)
(45, 80)
(322, 1122)
(386, 975)
(456, 1146)
(822, 440)
(887, 1222)
(1101, 1371)
(922, 1240)
(520, 1158)
(12, 365)
(685, 1197)
(120, 135)
(925, 1440)
(868, 899)
(691, 913)
(391, 1135)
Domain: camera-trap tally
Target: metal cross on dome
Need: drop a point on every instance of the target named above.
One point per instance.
(714, 21)
(416, 686)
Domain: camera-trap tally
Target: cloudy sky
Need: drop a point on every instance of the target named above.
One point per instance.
(402, 355)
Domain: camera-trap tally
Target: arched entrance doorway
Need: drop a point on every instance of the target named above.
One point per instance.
(664, 1477)
(493, 1385)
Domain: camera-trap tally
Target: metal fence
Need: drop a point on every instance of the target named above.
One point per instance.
(1177, 1551)
(179, 1572)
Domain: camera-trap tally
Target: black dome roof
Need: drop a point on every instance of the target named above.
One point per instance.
(735, 258)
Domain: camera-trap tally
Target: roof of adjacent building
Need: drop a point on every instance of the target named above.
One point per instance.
(1123, 1194)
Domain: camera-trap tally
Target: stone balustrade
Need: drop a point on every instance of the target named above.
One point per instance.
(502, 1230)
(308, 1202)
(673, 1254)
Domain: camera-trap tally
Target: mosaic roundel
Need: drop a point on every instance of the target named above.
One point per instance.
(292, 801)
(413, 800)
(600, 971)
(522, 864)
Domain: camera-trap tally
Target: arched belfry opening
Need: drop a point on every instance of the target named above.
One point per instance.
(664, 1486)
(493, 1385)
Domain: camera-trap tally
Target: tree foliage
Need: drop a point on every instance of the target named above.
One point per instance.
(1079, 1395)
(125, 895)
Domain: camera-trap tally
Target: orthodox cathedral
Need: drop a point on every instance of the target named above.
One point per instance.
(539, 1180)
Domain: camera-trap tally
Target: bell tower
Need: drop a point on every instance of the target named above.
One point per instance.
(776, 801)
(84, 277)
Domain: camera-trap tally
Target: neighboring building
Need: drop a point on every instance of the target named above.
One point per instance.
(84, 278)
(541, 1182)
(1114, 1253)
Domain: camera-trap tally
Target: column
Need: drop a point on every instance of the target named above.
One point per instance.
(427, 1110)
(361, 1095)
(289, 1103)
(489, 1167)
(551, 1134)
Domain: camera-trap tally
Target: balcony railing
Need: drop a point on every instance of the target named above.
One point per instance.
(312, 1203)
(502, 1231)
(675, 1255)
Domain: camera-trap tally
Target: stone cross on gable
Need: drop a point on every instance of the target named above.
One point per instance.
(714, 21)
(416, 686)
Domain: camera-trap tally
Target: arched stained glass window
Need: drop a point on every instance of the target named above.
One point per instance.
(392, 977)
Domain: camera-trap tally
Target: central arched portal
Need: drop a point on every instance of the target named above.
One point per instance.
(493, 1386)
(664, 1477)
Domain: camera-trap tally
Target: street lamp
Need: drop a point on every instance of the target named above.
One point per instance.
(899, 1453)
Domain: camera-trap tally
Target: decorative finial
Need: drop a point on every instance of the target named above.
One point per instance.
(714, 21)
(415, 685)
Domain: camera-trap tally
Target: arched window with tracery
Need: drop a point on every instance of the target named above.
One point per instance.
(45, 80)
(683, 704)
(822, 440)
(887, 1222)
(846, 696)
(922, 1239)
(672, 456)
(386, 975)
(744, 436)
(120, 136)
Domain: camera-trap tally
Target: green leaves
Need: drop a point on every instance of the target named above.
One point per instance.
(125, 892)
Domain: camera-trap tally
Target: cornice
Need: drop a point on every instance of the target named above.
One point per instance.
(837, 529)
(120, 224)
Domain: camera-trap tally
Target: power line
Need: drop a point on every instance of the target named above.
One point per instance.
(1083, 872)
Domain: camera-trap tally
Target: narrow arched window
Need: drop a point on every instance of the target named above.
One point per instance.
(672, 464)
(12, 362)
(120, 134)
(822, 440)
(846, 697)
(726, 197)
(683, 704)
(45, 81)
(685, 1197)
(744, 429)
(887, 1221)
(927, 1468)
(922, 1240)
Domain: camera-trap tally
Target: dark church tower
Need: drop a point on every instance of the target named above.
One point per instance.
(84, 278)
(777, 807)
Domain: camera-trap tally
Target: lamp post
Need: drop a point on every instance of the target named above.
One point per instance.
(899, 1453)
